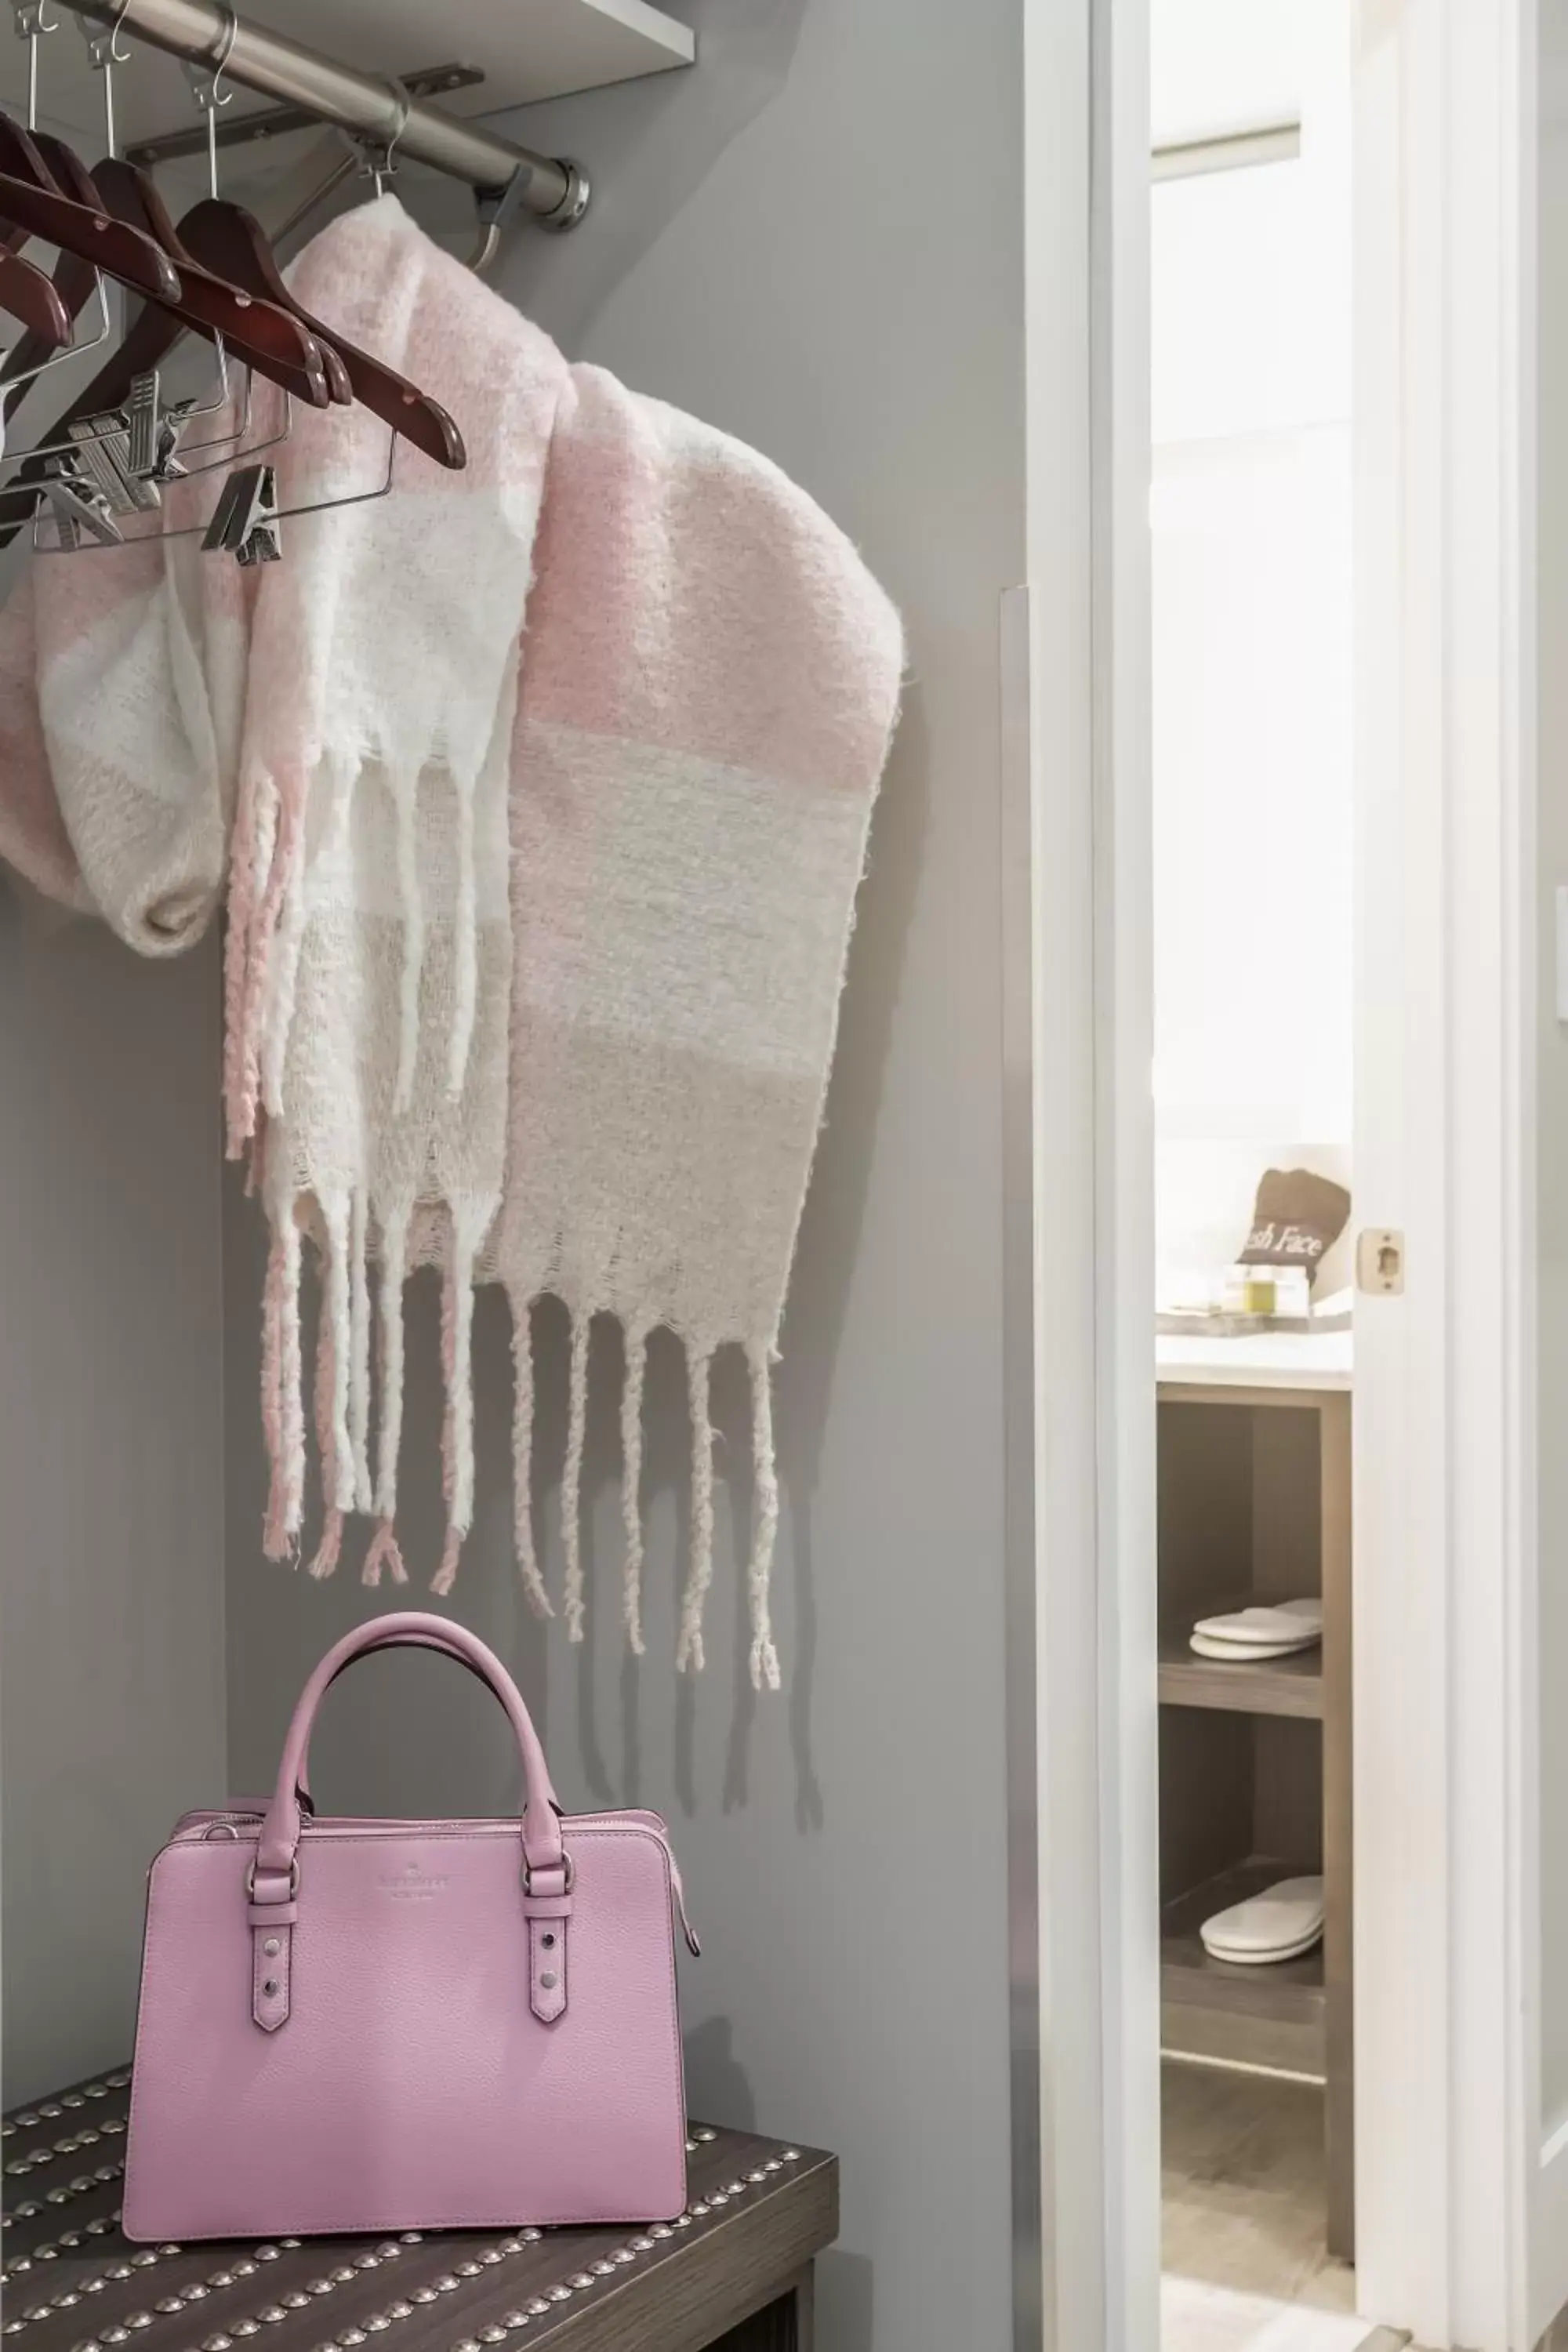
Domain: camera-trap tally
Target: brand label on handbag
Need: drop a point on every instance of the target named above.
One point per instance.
(412, 1885)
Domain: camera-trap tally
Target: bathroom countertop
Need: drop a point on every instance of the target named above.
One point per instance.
(1283, 1359)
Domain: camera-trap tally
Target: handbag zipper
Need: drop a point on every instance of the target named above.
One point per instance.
(232, 1818)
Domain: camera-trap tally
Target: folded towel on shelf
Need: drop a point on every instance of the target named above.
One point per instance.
(540, 792)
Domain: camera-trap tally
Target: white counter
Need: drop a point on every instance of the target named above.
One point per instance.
(1269, 1359)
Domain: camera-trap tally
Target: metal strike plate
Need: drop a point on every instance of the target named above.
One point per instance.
(1380, 1261)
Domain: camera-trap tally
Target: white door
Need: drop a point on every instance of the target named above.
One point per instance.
(1462, 1843)
(1447, 2086)
(1075, 668)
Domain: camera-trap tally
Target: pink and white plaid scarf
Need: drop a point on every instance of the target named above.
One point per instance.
(540, 793)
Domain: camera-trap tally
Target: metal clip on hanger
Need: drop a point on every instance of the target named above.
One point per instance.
(246, 522)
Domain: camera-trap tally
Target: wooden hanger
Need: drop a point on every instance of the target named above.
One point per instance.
(227, 239)
(124, 253)
(75, 281)
(29, 295)
(265, 334)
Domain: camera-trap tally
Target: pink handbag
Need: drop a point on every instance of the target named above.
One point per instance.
(354, 2025)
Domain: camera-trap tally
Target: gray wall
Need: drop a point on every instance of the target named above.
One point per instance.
(1553, 1063)
(775, 246)
(111, 1638)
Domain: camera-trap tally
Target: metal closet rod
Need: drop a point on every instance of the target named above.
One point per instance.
(370, 107)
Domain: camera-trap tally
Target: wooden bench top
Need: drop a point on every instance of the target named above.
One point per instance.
(759, 2211)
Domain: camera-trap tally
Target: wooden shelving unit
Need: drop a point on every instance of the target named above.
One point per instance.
(1291, 1685)
(1254, 1757)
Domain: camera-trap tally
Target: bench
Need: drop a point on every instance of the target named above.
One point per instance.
(734, 2271)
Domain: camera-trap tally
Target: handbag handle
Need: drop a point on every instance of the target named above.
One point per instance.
(276, 1849)
(384, 1641)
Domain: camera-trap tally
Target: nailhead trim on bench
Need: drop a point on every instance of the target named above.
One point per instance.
(375, 2323)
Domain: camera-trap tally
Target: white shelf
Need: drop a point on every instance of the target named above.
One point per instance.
(1266, 1359)
(526, 49)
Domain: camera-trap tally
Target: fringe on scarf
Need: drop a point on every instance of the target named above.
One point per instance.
(523, 1458)
(343, 1424)
(472, 1219)
(383, 1553)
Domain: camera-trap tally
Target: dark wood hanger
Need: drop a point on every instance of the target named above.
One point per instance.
(29, 295)
(74, 279)
(124, 253)
(229, 241)
(261, 333)
(266, 335)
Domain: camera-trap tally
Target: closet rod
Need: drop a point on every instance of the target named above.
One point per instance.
(365, 104)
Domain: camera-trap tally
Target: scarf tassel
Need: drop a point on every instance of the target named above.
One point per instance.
(699, 1572)
(572, 1476)
(384, 1554)
(283, 1417)
(527, 1550)
(631, 1486)
(470, 1222)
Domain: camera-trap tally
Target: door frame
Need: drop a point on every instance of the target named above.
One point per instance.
(1078, 1048)
(1448, 2063)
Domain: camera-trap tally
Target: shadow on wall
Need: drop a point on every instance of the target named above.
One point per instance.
(829, 1239)
(382, 1761)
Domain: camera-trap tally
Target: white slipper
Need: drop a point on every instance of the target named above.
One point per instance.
(1238, 1958)
(1278, 1923)
(1281, 1621)
(1237, 1654)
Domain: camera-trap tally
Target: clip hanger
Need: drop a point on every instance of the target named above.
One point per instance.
(245, 521)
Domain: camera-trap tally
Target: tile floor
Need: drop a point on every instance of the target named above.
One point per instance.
(1243, 2188)
(1197, 2317)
